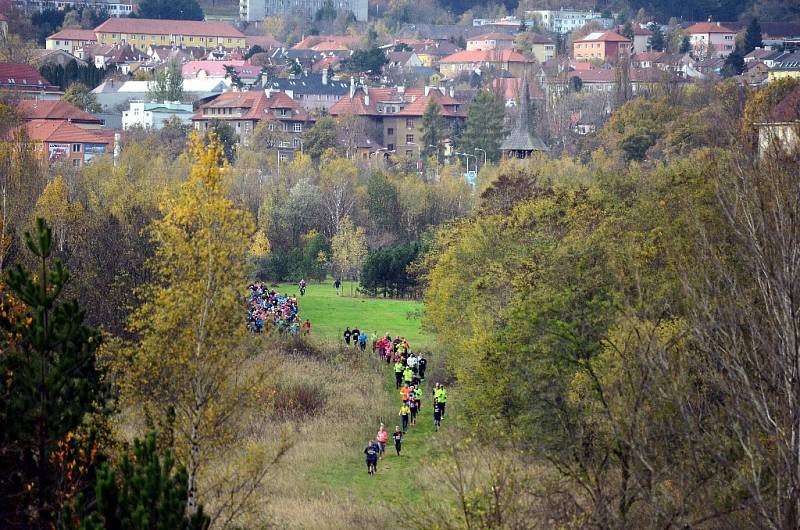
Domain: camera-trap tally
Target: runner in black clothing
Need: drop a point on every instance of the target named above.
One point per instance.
(372, 451)
(354, 334)
(437, 414)
(347, 335)
(422, 363)
(398, 439)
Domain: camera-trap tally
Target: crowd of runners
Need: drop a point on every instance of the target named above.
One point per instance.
(268, 310)
(409, 375)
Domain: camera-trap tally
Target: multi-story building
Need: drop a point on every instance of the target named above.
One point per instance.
(606, 46)
(491, 41)
(313, 91)
(152, 115)
(57, 110)
(70, 40)
(641, 37)
(468, 61)
(542, 47)
(711, 39)
(256, 10)
(115, 8)
(396, 113)
(562, 20)
(243, 111)
(142, 33)
(61, 141)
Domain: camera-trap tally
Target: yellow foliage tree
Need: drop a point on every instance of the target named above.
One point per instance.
(190, 325)
(54, 206)
(349, 248)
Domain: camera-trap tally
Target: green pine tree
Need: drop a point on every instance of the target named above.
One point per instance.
(145, 493)
(657, 41)
(51, 383)
(752, 37)
(433, 125)
(484, 128)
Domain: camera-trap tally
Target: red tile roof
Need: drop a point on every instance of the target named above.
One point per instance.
(485, 56)
(217, 68)
(64, 132)
(492, 36)
(538, 38)
(648, 56)
(258, 105)
(148, 26)
(637, 30)
(447, 106)
(266, 43)
(346, 41)
(608, 36)
(510, 87)
(357, 104)
(23, 76)
(54, 110)
(74, 34)
(707, 27)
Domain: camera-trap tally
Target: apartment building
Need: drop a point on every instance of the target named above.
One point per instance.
(142, 33)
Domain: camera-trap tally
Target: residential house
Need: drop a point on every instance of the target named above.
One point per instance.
(152, 115)
(431, 53)
(248, 73)
(40, 57)
(59, 141)
(70, 40)
(781, 130)
(402, 60)
(142, 33)
(327, 43)
(174, 54)
(312, 91)
(491, 41)
(606, 46)
(786, 66)
(264, 42)
(57, 110)
(510, 88)
(542, 48)
(120, 56)
(115, 96)
(646, 59)
(450, 32)
(562, 20)
(243, 111)
(711, 39)
(759, 54)
(26, 82)
(395, 114)
(497, 60)
(641, 37)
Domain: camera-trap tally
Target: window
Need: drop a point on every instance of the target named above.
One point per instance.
(296, 142)
(298, 127)
(409, 138)
(229, 40)
(390, 147)
(390, 131)
(282, 112)
(271, 126)
(76, 162)
(409, 123)
(76, 148)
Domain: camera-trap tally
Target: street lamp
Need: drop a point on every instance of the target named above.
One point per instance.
(484, 156)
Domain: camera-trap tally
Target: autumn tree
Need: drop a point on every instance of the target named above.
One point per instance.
(79, 95)
(349, 249)
(189, 327)
(167, 85)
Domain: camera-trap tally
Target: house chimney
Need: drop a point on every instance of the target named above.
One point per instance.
(366, 96)
(427, 90)
(324, 76)
(352, 86)
(452, 92)
(117, 147)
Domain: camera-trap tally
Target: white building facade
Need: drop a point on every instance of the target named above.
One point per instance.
(256, 10)
(562, 20)
(153, 115)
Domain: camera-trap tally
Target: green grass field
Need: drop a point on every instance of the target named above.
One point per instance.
(330, 314)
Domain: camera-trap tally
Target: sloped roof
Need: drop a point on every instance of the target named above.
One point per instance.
(266, 43)
(339, 41)
(520, 138)
(496, 35)
(309, 84)
(637, 30)
(73, 34)
(538, 38)
(217, 68)
(446, 106)
(605, 36)
(65, 132)
(54, 110)
(258, 104)
(23, 76)
(648, 56)
(485, 56)
(149, 26)
(708, 27)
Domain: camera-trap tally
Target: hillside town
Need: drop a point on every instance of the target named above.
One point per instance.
(571, 68)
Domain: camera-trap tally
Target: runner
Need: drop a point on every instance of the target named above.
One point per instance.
(302, 286)
(338, 286)
(418, 398)
(306, 327)
(437, 415)
(443, 399)
(398, 373)
(382, 438)
(362, 341)
(371, 451)
(412, 406)
(422, 363)
(347, 335)
(404, 413)
(408, 376)
(354, 335)
(398, 439)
